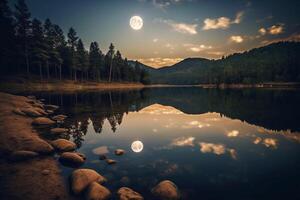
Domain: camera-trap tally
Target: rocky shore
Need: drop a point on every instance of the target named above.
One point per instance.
(29, 169)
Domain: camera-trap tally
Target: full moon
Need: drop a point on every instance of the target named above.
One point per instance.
(137, 146)
(136, 22)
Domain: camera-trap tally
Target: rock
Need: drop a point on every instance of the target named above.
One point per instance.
(58, 131)
(101, 150)
(110, 161)
(125, 193)
(59, 117)
(95, 191)
(46, 172)
(31, 112)
(41, 111)
(38, 145)
(119, 152)
(50, 111)
(18, 112)
(81, 178)
(38, 105)
(51, 107)
(23, 155)
(72, 159)
(166, 190)
(102, 157)
(31, 97)
(63, 145)
(43, 121)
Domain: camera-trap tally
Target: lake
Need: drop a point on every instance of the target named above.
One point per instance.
(213, 144)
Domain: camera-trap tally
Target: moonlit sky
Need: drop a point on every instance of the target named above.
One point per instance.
(175, 29)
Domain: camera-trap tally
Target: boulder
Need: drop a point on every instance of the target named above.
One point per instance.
(43, 121)
(59, 117)
(41, 111)
(81, 178)
(38, 105)
(125, 193)
(51, 107)
(46, 172)
(38, 145)
(119, 152)
(22, 155)
(31, 112)
(63, 145)
(18, 112)
(72, 159)
(58, 131)
(50, 111)
(110, 161)
(31, 97)
(166, 190)
(95, 191)
(101, 150)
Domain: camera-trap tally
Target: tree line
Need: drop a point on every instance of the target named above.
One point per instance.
(32, 48)
(277, 62)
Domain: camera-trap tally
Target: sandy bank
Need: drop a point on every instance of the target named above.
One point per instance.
(37, 178)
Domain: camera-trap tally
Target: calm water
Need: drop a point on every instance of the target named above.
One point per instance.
(214, 144)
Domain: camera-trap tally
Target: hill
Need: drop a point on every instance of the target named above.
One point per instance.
(278, 62)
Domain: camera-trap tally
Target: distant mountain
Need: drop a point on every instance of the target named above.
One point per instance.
(278, 62)
(142, 66)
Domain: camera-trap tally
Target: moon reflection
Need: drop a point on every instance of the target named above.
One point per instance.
(137, 146)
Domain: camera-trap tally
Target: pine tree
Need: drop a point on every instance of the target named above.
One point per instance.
(72, 42)
(137, 72)
(7, 38)
(82, 58)
(110, 53)
(95, 60)
(23, 31)
(39, 46)
(118, 64)
(59, 45)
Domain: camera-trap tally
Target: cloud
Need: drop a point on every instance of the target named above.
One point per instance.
(238, 17)
(163, 4)
(273, 30)
(183, 141)
(184, 28)
(217, 149)
(216, 53)
(157, 62)
(197, 48)
(170, 46)
(276, 29)
(222, 22)
(237, 38)
(262, 31)
(155, 40)
(270, 142)
(233, 133)
(293, 37)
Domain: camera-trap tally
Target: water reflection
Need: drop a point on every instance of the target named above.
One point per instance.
(207, 141)
(137, 146)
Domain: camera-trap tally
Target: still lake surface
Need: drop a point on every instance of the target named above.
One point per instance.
(214, 144)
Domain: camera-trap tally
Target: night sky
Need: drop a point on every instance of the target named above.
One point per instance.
(175, 29)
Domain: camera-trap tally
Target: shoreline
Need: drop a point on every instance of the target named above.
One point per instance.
(36, 178)
(72, 86)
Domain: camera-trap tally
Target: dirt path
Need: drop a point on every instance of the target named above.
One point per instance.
(37, 178)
